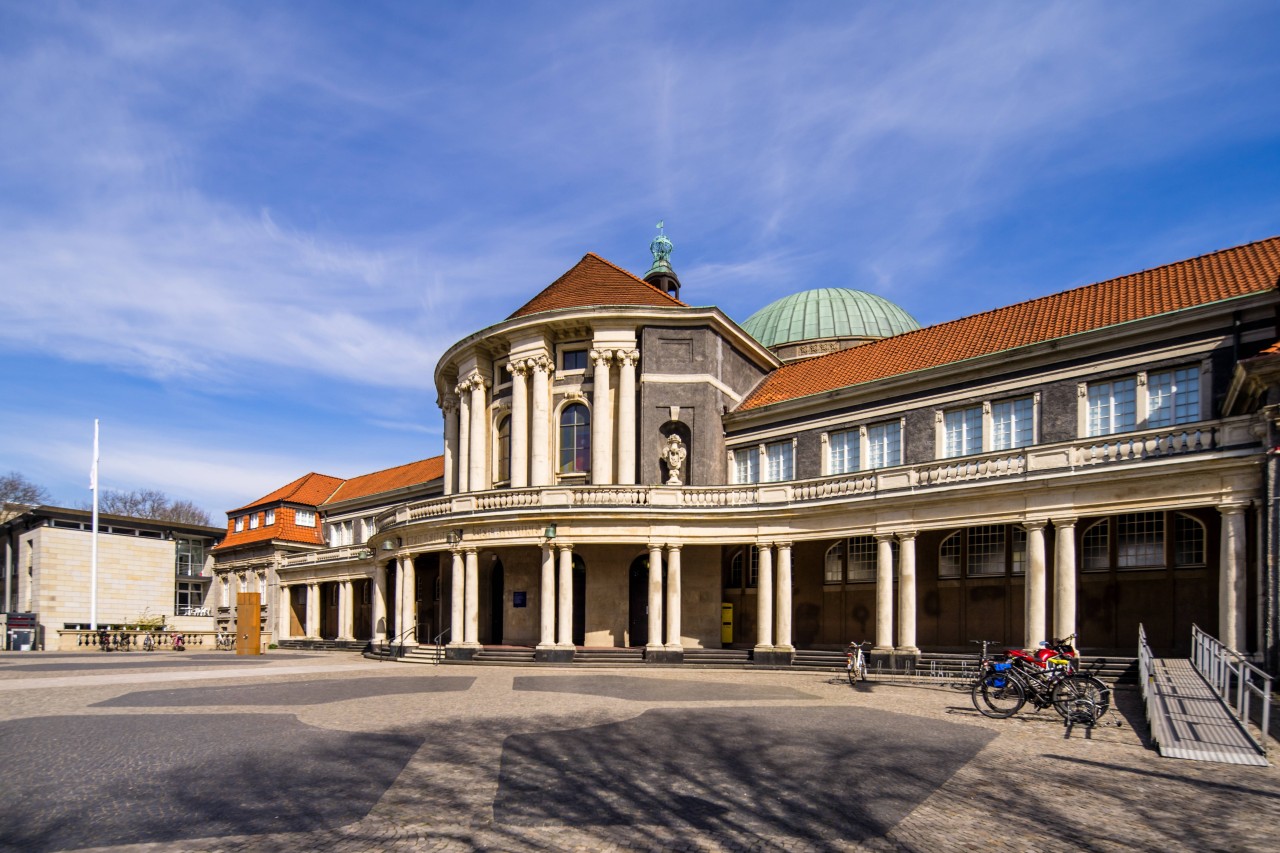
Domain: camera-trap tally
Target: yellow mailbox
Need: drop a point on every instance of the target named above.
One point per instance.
(726, 622)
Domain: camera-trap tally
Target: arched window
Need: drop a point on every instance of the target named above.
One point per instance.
(1095, 548)
(835, 563)
(575, 439)
(752, 568)
(504, 449)
(1188, 541)
(949, 556)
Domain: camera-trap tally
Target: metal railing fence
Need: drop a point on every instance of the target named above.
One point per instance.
(1236, 681)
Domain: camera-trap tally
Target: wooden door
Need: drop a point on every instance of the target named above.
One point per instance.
(248, 623)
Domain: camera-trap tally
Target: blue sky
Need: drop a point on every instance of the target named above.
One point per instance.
(241, 234)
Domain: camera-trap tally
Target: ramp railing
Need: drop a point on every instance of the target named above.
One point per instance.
(1235, 680)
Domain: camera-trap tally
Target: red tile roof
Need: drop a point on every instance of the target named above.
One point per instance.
(315, 490)
(1252, 268)
(390, 479)
(285, 529)
(595, 281)
(309, 489)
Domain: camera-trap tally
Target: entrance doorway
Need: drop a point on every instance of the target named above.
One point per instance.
(579, 601)
(497, 595)
(638, 602)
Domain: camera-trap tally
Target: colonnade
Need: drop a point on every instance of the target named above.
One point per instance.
(468, 423)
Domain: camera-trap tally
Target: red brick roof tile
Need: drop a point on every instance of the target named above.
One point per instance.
(387, 480)
(310, 489)
(595, 281)
(1252, 268)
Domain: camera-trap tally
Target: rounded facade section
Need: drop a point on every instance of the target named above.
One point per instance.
(814, 322)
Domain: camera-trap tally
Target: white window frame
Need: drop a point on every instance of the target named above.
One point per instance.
(1194, 381)
(304, 517)
(944, 449)
(239, 524)
(868, 463)
(746, 464)
(963, 432)
(269, 518)
(778, 461)
(837, 458)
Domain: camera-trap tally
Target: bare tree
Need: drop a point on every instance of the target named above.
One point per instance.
(17, 489)
(153, 504)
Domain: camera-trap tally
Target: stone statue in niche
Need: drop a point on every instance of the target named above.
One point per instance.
(674, 455)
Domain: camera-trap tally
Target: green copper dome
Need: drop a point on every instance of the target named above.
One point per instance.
(827, 312)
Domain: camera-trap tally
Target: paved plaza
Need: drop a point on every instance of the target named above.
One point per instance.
(310, 751)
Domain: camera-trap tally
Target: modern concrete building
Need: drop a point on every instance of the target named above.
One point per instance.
(622, 468)
(144, 568)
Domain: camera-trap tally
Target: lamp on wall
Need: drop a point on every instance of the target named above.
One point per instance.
(550, 532)
(391, 544)
(454, 537)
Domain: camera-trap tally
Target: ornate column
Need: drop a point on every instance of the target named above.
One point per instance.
(410, 618)
(348, 616)
(627, 417)
(463, 465)
(565, 599)
(285, 609)
(470, 596)
(379, 602)
(1035, 584)
(342, 609)
(457, 596)
(1231, 579)
(674, 642)
(539, 429)
(449, 406)
(313, 609)
(479, 474)
(1064, 577)
(907, 593)
(519, 371)
(654, 642)
(547, 598)
(884, 592)
(601, 422)
(764, 600)
(783, 640)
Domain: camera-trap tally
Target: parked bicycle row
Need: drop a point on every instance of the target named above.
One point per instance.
(124, 641)
(1049, 677)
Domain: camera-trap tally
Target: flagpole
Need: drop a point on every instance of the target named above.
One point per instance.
(93, 559)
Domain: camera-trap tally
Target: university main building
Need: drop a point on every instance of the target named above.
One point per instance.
(624, 469)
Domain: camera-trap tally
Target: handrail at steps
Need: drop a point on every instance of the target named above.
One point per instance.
(439, 646)
(1233, 677)
(1145, 670)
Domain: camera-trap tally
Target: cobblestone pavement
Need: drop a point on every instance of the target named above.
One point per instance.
(301, 752)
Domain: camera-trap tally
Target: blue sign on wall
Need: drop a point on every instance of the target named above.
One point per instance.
(520, 599)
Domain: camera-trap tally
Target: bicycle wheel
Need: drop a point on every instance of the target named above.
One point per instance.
(853, 675)
(1081, 698)
(997, 695)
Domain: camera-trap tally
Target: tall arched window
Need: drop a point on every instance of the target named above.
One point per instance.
(575, 439)
(504, 449)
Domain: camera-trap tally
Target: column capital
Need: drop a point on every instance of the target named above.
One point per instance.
(628, 358)
(1036, 524)
(541, 364)
(1233, 508)
(906, 535)
(885, 537)
(784, 544)
(470, 549)
(601, 356)
(674, 546)
(1064, 522)
(519, 367)
(564, 546)
(449, 404)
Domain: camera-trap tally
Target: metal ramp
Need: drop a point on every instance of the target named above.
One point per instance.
(1189, 719)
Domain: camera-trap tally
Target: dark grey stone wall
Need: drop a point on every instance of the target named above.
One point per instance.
(918, 441)
(1058, 411)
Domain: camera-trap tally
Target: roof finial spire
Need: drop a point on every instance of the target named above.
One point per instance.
(661, 274)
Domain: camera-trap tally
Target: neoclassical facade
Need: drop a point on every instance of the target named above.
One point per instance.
(623, 469)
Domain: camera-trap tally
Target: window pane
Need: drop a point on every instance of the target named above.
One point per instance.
(963, 431)
(575, 359)
(1173, 397)
(862, 558)
(1140, 540)
(746, 465)
(779, 461)
(884, 445)
(949, 557)
(986, 550)
(843, 450)
(753, 569)
(504, 449)
(735, 571)
(575, 440)
(1188, 542)
(1011, 424)
(1018, 540)
(835, 564)
(1113, 406)
(1094, 549)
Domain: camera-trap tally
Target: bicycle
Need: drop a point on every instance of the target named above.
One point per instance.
(856, 662)
(1004, 687)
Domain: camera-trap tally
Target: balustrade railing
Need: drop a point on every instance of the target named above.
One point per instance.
(1022, 462)
(1236, 681)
